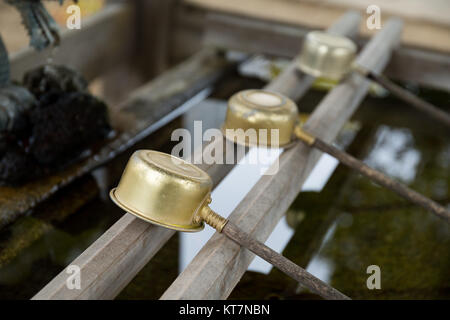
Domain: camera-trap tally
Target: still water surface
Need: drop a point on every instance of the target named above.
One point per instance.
(335, 231)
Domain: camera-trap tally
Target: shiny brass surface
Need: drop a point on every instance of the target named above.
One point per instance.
(326, 56)
(304, 136)
(211, 218)
(252, 115)
(164, 190)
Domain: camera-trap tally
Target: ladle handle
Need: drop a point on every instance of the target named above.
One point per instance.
(285, 265)
(383, 180)
(422, 105)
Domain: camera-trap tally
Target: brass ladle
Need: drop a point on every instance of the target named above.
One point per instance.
(332, 57)
(170, 192)
(258, 110)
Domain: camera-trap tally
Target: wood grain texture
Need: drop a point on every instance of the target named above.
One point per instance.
(104, 260)
(304, 278)
(113, 260)
(219, 265)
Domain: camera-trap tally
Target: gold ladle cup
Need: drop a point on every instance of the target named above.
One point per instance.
(170, 192)
(332, 57)
(252, 114)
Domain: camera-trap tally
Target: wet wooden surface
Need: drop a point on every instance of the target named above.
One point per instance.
(112, 261)
(129, 244)
(147, 109)
(220, 264)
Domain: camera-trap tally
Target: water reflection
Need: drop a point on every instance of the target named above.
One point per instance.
(352, 224)
(394, 153)
(322, 268)
(226, 197)
(233, 188)
(283, 231)
(339, 224)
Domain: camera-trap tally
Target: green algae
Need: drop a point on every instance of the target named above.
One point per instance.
(353, 223)
(361, 223)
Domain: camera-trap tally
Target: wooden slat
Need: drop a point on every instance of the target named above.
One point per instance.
(112, 261)
(420, 31)
(116, 257)
(135, 119)
(294, 84)
(104, 41)
(219, 265)
(253, 35)
(427, 68)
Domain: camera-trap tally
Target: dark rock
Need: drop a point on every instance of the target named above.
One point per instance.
(53, 78)
(48, 124)
(15, 105)
(62, 130)
(16, 167)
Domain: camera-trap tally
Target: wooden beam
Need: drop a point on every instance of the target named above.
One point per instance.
(116, 257)
(227, 31)
(427, 32)
(253, 35)
(147, 109)
(219, 265)
(112, 261)
(426, 68)
(104, 41)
